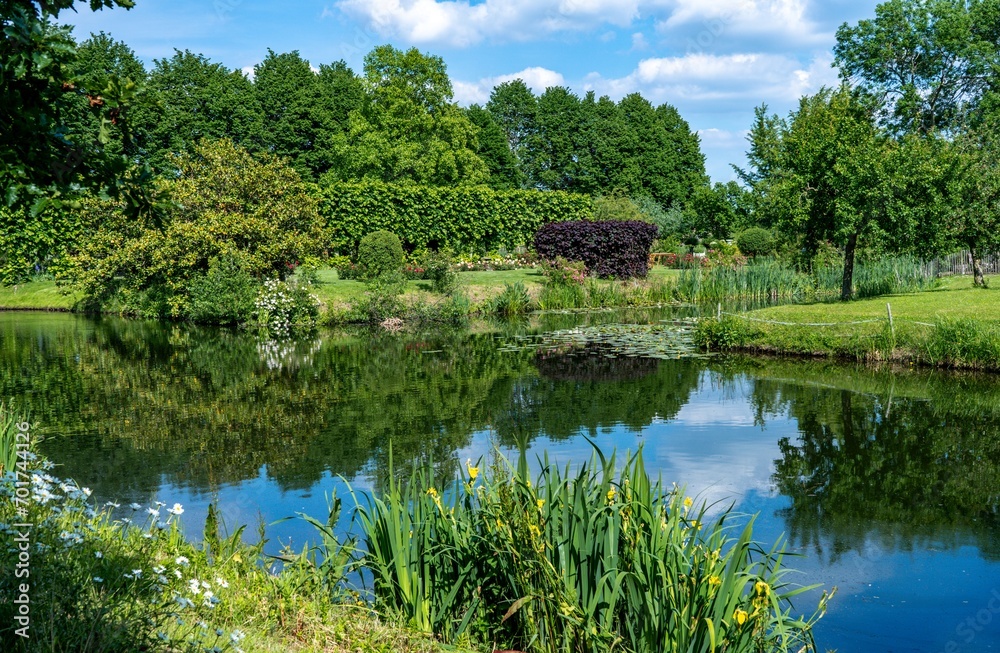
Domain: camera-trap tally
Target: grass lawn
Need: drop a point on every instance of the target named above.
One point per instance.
(955, 298)
(36, 295)
(955, 325)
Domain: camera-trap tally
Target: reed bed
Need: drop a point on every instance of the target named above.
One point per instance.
(770, 280)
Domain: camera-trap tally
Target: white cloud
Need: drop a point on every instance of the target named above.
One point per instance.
(709, 77)
(461, 23)
(538, 79)
(639, 42)
(718, 20)
(722, 138)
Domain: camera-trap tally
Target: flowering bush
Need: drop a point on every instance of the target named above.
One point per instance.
(93, 581)
(286, 307)
(495, 262)
(562, 272)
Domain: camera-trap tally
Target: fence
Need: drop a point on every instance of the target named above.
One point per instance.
(961, 263)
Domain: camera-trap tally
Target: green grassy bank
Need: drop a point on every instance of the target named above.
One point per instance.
(954, 325)
(332, 291)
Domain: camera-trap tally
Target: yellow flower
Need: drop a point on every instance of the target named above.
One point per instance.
(540, 503)
(534, 530)
(761, 588)
(433, 493)
(740, 616)
(473, 471)
(714, 581)
(688, 502)
(611, 494)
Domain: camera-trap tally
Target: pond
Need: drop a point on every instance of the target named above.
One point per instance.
(885, 481)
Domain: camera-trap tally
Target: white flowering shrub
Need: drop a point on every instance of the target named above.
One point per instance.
(285, 308)
(95, 579)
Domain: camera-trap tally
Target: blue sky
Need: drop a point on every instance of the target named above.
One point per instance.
(715, 60)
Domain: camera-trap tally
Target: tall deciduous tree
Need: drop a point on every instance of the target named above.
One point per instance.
(100, 60)
(827, 174)
(931, 61)
(494, 150)
(306, 111)
(409, 129)
(191, 98)
(514, 107)
(973, 218)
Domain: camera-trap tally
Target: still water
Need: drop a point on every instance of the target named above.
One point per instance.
(886, 482)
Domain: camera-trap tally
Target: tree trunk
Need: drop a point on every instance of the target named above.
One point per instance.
(847, 287)
(977, 268)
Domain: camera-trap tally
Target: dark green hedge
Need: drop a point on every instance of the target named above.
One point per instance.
(466, 219)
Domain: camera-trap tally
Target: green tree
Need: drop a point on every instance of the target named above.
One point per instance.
(827, 174)
(931, 61)
(550, 152)
(973, 216)
(675, 166)
(228, 204)
(409, 129)
(192, 98)
(305, 111)
(514, 107)
(494, 150)
(99, 60)
(720, 210)
(39, 164)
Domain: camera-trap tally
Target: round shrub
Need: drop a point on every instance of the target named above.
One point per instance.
(380, 254)
(756, 241)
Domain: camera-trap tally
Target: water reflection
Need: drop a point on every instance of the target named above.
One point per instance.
(872, 474)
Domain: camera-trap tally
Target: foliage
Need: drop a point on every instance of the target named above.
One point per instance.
(973, 189)
(255, 211)
(305, 112)
(408, 130)
(933, 62)
(101, 583)
(617, 206)
(189, 98)
(563, 272)
(513, 300)
(35, 245)
(466, 219)
(439, 270)
(608, 249)
(286, 308)
(593, 560)
(380, 254)
(226, 294)
(595, 146)
(39, 165)
(756, 241)
(382, 300)
(720, 210)
(494, 149)
(828, 174)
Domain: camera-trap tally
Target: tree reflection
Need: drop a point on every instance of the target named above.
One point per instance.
(919, 468)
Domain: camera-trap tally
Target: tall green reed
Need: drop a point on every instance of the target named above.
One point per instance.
(596, 559)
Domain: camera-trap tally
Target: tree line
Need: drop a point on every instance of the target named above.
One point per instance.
(901, 157)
